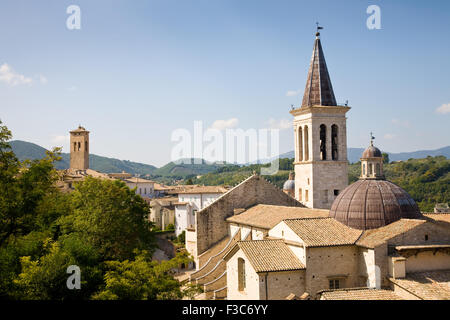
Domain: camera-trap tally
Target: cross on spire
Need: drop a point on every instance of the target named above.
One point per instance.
(371, 138)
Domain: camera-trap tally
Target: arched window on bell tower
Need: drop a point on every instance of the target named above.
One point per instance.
(300, 144)
(323, 142)
(334, 142)
(306, 144)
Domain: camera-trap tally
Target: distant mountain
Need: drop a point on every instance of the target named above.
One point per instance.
(354, 154)
(27, 150)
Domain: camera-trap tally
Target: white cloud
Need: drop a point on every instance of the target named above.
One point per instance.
(403, 123)
(445, 108)
(9, 76)
(225, 124)
(43, 79)
(293, 93)
(389, 136)
(279, 124)
(61, 139)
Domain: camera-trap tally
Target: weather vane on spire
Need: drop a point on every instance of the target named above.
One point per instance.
(371, 138)
(318, 28)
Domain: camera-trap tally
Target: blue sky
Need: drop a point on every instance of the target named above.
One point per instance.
(137, 70)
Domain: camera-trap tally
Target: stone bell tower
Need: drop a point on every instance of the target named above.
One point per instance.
(79, 149)
(321, 166)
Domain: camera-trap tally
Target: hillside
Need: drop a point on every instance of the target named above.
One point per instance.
(183, 168)
(27, 150)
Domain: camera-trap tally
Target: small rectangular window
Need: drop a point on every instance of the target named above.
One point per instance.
(336, 192)
(334, 284)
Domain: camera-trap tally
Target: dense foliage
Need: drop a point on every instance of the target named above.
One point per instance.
(102, 227)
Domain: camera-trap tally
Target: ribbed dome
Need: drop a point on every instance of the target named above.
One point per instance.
(372, 152)
(370, 204)
(289, 185)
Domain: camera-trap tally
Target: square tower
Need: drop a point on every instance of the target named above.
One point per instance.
(321, 165)
(79, 149)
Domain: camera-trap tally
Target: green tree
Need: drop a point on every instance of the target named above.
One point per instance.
(110, 217)
(385, 158)
(142, 279)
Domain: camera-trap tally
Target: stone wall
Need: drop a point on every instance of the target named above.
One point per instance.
(435, 233)
(211, 226)
(326, 263)
(252, 285)
(281, 284)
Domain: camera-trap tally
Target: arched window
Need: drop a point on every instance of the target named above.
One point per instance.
(300, 144)
(74, 146)
(378, 169)
(364, 169)
(79, 146)
(241, 274)
(334, 142)
(306, 142)
(323, 142)
(370, 169)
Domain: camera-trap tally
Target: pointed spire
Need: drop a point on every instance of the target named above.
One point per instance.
(319, 90)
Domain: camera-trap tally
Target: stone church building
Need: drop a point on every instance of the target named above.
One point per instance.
(365, 241)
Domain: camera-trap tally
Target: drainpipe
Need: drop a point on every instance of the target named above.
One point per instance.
(265, 280)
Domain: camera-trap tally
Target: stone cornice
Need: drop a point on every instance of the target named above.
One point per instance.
(320, 110)
(321, 161)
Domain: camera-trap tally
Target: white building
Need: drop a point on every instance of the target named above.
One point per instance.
(144, 188)
(192, 200)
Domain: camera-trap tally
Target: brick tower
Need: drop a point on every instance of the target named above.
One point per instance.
(79, 149)
(321, 165)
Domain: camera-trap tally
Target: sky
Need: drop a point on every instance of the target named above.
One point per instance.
(136, 71)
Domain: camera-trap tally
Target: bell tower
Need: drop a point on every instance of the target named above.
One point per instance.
(79, 149)
(321, 166)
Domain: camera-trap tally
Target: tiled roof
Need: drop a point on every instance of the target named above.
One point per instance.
(322, 232)
(444, 217)
(270, 255)
(375, 237)
(138, 180)
(431, 285)
(268, 216)
(204, 189)
(359, 294)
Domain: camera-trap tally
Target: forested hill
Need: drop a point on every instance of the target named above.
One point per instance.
(27, 150)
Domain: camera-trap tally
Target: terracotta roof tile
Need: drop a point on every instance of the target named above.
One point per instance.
(270, 255)
(268, 216)
(431, 285)
(359, 294)
(204, 189)
(321, 232)
(376, 237)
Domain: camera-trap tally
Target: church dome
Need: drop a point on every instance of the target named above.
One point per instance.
(289, 185)
(370, 204)
(372, 152)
